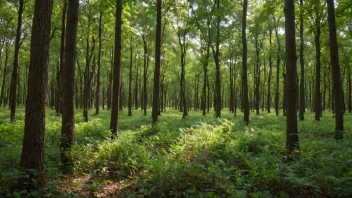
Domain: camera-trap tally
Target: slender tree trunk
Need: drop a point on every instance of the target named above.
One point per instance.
(270, 72)
(291, 79)
(15, 69)
(68, 81)
(217, 66)
(97, 93)
(117, 69)
(32, 158)
(277, 69)
(130, 80)
(58, 104)
(302, 105)
(317, 106)
(349, 91)
(244, 64)
(145, 69)
(3, 86)
(157, 64)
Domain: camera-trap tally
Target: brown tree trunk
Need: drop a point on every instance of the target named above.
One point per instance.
(68, 81)
(97, 91)
(130, 80)
(244, 64)
(14, 78)
(335, 69)
(291, 78)
(145, 70)
(5, 72)
(268, 100)
(277, 68)
(302, 105)
(155, 106)
(317, 106)
(32, 158)
(217, 92)
(58, 103)
(117, 70)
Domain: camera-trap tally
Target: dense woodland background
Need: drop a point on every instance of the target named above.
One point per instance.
(200, 65)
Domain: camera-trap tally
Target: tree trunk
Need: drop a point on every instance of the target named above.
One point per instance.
(317, 106)
(32, 158)
(291, 78)
(157, 64)
(58, 103)
(335, 69)
(277, 69)
(5, 72)
(244, 64)
(97, 91)
(268, 100)
(145, 70)
(217, 92)
(117, 69)
(68, 81)
(302, 105)
(15, 72)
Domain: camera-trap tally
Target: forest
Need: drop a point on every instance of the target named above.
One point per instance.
(175, 98)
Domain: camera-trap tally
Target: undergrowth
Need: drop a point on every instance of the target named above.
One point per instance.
(199, 156)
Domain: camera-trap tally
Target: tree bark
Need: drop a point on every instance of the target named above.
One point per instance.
(157, 64)
(244, 64)
(14, 79)
(32, 157)
(217, 66)
(302, 105)
(68, 81)
(291, 78)
(58, 101)
(97, 91)
(277, 69)
(268, 100)
(317, 106)
(117, 70)
(335, 69)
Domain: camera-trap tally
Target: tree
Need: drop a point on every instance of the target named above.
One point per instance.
(335, 70)
(32, 158)
(291, 77)
(14, 78)
(117, 70)
(58, 103)
(130, 79)
(302, 104)
(97, 92)
(157, 64)
(68, 81)
(217, 63)
(244, 64)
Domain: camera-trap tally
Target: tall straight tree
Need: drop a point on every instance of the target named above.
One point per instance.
(302, 104)
(130, 79)
(13, 89)
(97, 93)
(68, 81)
(244, 64)
(335, 69)
(157, 63)
(291, 77)
(58, 102)
(32, 157)
(217, 64)
(117, 70)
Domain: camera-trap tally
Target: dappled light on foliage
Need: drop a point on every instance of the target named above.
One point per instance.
(193, 157)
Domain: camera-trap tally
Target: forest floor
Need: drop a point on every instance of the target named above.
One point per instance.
(199, 156)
